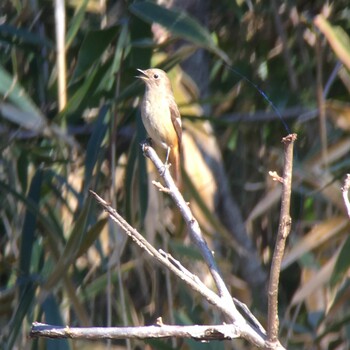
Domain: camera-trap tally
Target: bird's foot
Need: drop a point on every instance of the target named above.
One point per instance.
(166, 167)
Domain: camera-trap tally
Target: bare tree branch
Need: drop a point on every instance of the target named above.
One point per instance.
(283, 232)
(194, 229)
(200, 333)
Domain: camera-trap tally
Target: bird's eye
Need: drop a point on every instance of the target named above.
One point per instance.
(155, 76)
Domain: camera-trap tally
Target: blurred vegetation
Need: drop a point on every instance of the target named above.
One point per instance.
(271, 70)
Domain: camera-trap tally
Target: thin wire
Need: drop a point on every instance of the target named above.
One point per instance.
(263, 94)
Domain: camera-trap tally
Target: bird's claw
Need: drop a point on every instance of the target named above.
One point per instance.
(165, 167)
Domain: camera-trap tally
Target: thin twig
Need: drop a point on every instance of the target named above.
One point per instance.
(283, 232)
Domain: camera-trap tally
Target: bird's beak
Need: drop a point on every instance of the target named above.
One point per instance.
(143, 76)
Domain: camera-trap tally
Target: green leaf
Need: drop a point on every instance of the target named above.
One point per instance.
(178, 23)
(22, 110)
(76, 22)
(75, 101)
(29, 225)
(25, 301)
(91, 236)
(93, 150)
(337, 38)
(53, 316)
(342, 264)
(72, 247)
(121, 47)
(23, 36)
(92, 48)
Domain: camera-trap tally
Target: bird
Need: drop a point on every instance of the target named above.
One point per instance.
(161, 117)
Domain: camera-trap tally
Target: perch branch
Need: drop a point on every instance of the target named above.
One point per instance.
(194, 229)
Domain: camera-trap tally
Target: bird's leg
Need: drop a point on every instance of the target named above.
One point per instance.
(166, 164)
(167, 155)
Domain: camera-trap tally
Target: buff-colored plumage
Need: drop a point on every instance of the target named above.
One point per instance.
(161, 116)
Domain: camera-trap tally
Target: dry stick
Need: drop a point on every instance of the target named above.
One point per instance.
(200, 333)
(283, 231)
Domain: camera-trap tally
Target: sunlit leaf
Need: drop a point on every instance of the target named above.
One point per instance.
(318, 281)
(337, 38)
(76, 22)
(23, 111)
(339, 112)
(317, 236)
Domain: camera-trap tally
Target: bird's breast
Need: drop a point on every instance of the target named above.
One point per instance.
(157, 119)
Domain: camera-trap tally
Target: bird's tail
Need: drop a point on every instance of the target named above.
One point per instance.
(174, 158)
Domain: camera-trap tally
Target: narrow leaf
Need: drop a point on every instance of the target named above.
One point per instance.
(92, 48)
(336, 37)
(29, 225)
(178, 23)
(342, 264)
(24, 112)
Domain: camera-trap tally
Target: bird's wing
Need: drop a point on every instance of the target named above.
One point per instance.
(176, 120)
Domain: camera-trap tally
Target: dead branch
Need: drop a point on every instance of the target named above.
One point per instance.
(247, 330)
(194, 229)
(200, 333)
(283, 232)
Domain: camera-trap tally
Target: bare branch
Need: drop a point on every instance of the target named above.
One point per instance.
(200, 333)
(165, 259)
(251, 332)
(194, 230)
(283, 231)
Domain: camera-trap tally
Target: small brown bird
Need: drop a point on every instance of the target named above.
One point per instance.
(161, 116)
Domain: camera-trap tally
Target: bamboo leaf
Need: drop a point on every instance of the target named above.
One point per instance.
(22, 109)
(178, 23)
(337, 38)
(94, 45)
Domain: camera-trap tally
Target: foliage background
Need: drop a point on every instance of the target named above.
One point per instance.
(264, 69)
